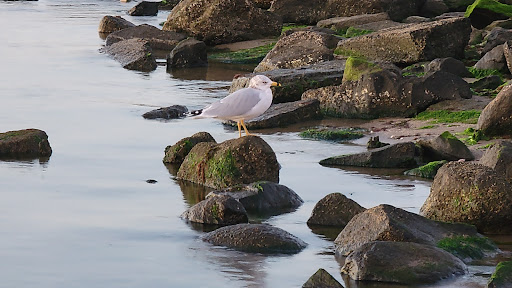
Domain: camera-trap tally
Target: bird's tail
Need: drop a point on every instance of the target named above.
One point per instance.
(195, 113)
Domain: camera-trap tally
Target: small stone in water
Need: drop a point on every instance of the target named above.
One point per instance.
(151, 181)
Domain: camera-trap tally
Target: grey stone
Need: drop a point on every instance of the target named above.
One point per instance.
(133, 54)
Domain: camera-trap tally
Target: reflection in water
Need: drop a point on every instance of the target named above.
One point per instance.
(329, 232)
(214, 72)
(192, 192)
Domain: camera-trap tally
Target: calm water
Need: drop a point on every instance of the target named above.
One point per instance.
(87, 217)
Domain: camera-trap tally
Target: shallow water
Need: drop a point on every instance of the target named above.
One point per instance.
(86, 217)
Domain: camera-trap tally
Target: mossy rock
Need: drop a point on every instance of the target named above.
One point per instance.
(502, 277)
(428, 170)
(238, 161)
(467, 248)
(332, 134)
(175, 154)
(484, 12)
(24, 143)
(356, 67)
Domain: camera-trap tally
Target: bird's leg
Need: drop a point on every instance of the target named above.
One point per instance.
(239, 129)
(245, 128)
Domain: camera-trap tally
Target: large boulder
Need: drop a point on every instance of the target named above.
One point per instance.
(340, 23)
(322, 279)
(175, 154)
(310, 12)
(387, 223)
(109, 24)
(24, 143)
(502, 276)
(402, 263)
(444, 147)
(133, 54)
(156, 38)
(484, 12)
(496, 118)
(222, 21)
(471, 193)
(283, 114)
(171, 112)
(299, 49)
(334, 209)
(412, 43)
(188, 53)
(238, 161)
(499, 158)
(262, 197)
(219, 210)
(399, 155)
(255, 238)
(296, 81)
(145, 8)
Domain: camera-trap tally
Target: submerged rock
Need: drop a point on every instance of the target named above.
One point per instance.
(176, 153)
(471, 193)
(218, 210)
(109, 24)
(133, 54)
(322, 279)
(145, 8)
(496, 118)
(334, 209)
(25, 143)
(255, 238)
(237, 161)
(171, 112)
(401, 262)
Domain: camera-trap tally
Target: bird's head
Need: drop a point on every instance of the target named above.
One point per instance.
(262, 82)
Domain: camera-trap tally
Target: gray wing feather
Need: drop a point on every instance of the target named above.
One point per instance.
(236, 104)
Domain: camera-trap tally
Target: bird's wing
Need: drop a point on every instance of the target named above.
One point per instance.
(234, 105)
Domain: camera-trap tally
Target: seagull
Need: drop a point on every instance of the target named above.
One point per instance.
(244, 104)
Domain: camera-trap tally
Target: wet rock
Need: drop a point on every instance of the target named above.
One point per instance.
(339, 23)
(494, 59)
(402, 263)
(283, 114)
(144, 8)
(428, 170)
(310, 12)
(444, 147)
(238, 161)
(188, 53)
(156, 38)
(255, 238)
(499, 158)
(296, 81)
(387, 223)
(322, 279)
(471, 193)
(502, 276)
(171, 112)
(498, 36)
(399, 155)
(432, 8)
(450, 65)
(176, 153)
(334, 209)
(484, 12)
(24, 143)
(299, 49)
(133, 54)
(412, 43)
(262, 196)
(496, 118)
(222, 21)
(218, 210)
(109, 24)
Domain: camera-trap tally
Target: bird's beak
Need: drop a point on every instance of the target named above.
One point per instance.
(275, 84)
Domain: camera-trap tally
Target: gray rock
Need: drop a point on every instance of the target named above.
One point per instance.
(499, 158)
(334, 209)
(496, 37)
(156, 38)
(222, 21)
(494, 59)
(24, 143)
(387, 223)
(188, 53)
(402, 263)
(416, 19)
(299, 49)
(171, 112)
(450, 65)
(176, 153)
(238, 161)
(296, 81)
(322, 279)
(444, 147)
(133, 54)
(473, 194)
(145, 8)
(339, 23)
(255, 238)
(283, 114)
(262, 196)
(109, 24)
(496, 118)
(399, 155)
(218, 210)
(412, 43)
